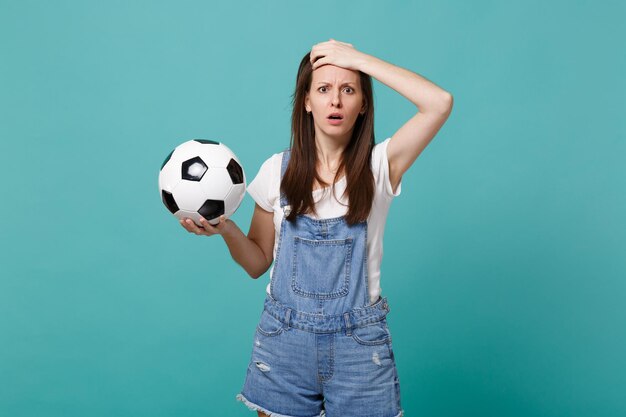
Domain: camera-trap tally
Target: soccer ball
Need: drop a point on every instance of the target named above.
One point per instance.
(202, 178)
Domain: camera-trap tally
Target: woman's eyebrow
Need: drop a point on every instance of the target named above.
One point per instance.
(326, 82)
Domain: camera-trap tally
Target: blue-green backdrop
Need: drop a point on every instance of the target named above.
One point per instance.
(504, 255)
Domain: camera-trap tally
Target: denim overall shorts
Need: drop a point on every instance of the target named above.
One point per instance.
(320, 347)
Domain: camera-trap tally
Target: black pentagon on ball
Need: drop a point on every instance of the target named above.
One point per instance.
(167, 159)
(235, 172)
(168, 200)
(212, 209)
(199, 169)
(207, 141)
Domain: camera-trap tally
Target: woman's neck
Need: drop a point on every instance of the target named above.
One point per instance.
(329, 154)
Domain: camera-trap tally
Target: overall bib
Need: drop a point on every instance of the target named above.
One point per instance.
(321, 348)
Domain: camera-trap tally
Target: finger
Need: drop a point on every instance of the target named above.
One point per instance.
(344, 43)
(335, 40)
(319, 63)
(185, 224)
(317, 58)
(192, 227)
(314, 50)
(213, 229)
(208, 226)
(315, 53)
(320, 46)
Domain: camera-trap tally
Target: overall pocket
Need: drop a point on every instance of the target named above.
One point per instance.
(321, 268)
(372, 334)
(269, 325)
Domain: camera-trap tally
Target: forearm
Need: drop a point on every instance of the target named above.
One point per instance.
(245, 251)
(427, 96)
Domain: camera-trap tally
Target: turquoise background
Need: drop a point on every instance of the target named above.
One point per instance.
(504, 256)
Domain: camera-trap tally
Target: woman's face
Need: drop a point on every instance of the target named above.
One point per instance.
(334, 90)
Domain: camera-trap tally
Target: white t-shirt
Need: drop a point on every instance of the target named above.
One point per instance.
(265, 190)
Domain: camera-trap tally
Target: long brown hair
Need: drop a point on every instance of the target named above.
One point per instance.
(297, 183)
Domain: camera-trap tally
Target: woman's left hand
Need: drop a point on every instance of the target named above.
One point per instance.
(336, 53)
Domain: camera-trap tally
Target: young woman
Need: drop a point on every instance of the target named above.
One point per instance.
(322, 346)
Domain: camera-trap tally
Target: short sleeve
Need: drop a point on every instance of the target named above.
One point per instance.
(381, 168)
(260, 187)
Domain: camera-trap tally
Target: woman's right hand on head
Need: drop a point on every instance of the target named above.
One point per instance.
(207, 229)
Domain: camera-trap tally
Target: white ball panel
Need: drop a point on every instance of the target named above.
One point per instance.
(216, 184)
(169, 175)
(234, 199)
(231, 154)
(188, 195)
(193, 215)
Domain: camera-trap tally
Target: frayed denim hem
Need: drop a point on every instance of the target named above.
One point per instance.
(254, 407)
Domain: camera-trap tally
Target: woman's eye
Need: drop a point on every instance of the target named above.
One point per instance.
(349, 88)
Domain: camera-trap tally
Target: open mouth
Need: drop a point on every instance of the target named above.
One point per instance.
(335, 121)
(335, 118)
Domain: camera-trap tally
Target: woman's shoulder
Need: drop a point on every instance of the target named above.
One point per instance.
(264, 187)
(271, 168)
